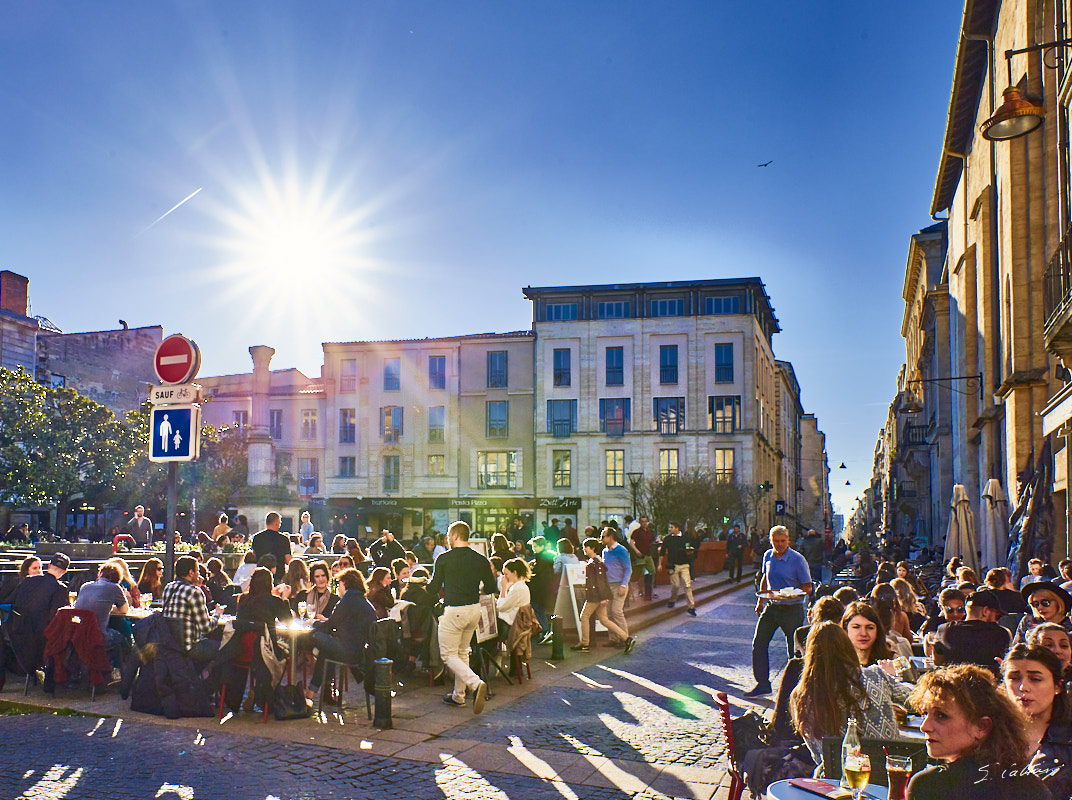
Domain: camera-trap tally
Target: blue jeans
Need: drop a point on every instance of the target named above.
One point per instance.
(785, 616)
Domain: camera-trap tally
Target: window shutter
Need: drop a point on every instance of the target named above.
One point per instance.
(520, 467)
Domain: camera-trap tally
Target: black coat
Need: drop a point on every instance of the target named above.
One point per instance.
(162, 679)
(350, 622)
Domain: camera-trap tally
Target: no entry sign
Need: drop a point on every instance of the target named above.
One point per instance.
(177, 360)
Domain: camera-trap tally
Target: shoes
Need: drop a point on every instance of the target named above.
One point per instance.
(691, 612)
(580, 648)
(670, 604)
(450, 701)
(759, 691)
(479, 697)
(630, 643)
(117, 675)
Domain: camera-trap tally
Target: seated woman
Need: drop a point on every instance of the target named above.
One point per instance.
(297, 578)
(316, 545)
(900, 625)
(379, 592)
(341, 563)
(220, 585)
(825, 609)
(357, 555)
(950, 609)
(513, 592)
(1032, 677)
(399, 571)
(419, 615)
(866, 633)
(338, 544)
(834, 686)
(320, 599)
(1046, 602)
(500, 546)
(910, 604)
(126, 580)
(245, 569)
(149, 580)
(1055, 639)
(344, 634)
(978, 732)
(261, 604)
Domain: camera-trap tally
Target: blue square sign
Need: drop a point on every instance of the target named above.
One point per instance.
(174, 433)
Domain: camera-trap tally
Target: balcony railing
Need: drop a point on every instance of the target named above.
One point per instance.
(614, 427)
(668, 374)
(670, 427)
(1057, 280)
(561, 429)
(914, 436)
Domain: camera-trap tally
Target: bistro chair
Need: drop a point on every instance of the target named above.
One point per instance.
(737, 784)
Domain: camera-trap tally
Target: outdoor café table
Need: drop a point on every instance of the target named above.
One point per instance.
(784, 790)
(293, 629)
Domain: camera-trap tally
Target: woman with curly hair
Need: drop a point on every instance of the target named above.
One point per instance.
(834, 686)
(979, 734)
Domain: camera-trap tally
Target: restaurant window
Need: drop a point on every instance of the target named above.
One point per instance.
(347, 466)
(391, 423)
(498, 377)
(561, 476)
(392, 473)
(723, 363)
(308, 476)
(669, 415)
(724, 464)
(347, 426)
(615, 375)
(561, 417)
(614, 415)
(561, 357)
(275, 423)
(392, 374)
(348, 375)
(497, 419)
(308, 423)
(437, 372)
(615, 469)
(667, 363)
(668, 463)
(437, 465)
(724, 413)
(496, 470)
(437, 423)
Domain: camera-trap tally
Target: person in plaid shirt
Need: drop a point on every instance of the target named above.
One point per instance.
(185, 607)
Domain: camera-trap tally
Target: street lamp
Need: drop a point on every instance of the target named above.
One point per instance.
(1017, 116)
(634, 484)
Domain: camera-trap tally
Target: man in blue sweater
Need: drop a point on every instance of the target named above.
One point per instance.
(619, 570)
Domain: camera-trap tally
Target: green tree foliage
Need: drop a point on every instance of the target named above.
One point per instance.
(56, 445)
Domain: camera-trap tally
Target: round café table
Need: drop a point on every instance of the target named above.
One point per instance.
(783, 790)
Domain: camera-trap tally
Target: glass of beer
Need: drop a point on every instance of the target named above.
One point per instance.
(72, 596)
(857, 773)
(302, 608)
(899, 770)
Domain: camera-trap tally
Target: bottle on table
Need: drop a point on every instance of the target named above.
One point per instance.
(850, 746)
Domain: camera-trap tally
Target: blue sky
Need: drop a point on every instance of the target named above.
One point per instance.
(401, 169)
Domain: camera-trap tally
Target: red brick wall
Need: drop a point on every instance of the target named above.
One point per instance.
(13, 292)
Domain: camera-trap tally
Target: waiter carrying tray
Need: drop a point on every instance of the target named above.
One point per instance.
(784, 586)
(460, 573)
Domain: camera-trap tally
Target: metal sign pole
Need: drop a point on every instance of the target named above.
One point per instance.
(169, 528)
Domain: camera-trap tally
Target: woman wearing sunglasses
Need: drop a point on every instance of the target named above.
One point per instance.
(1046, 602)
(950, 608)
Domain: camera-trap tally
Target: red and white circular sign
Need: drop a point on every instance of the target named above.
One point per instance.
(177, 359)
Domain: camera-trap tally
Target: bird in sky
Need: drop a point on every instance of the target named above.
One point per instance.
(766, 164)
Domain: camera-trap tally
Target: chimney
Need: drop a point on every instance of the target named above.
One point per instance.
(13, 292)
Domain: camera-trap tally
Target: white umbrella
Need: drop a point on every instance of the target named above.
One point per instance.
(994, 526)
(960, 539)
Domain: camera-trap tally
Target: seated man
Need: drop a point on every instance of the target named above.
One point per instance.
(185, 608)
(100, 597)
(979, 639)
(35, 602)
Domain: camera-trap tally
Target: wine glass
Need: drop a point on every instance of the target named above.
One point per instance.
(858, 772)
(302, 608)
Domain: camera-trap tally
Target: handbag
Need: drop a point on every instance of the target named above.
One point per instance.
(288, 702)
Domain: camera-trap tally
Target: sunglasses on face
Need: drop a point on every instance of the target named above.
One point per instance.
(954, 609)
(1040, 603)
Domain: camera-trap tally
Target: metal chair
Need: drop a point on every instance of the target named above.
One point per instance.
(331, 669)
(737, 784)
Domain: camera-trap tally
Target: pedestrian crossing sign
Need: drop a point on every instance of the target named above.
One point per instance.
(175, 433)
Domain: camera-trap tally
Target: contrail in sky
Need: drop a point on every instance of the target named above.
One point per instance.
(184, 200)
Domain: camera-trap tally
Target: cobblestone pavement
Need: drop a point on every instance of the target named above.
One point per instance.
(640, 727)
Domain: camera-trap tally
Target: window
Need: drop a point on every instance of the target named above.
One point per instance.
(615, 369)
(614, 415)
(497, 419)
(723, 363)
(392, 374)
(561, 417)
(308, 476)
(437, 423)
(724, 464)
(348, 375)
(724, 413)
(497, 374)
(669, 414)
(668, 463)
(347, 466)
(560, 312)
(561, 357)
(391, 423)
(437, 465)
(275, 423)
(59, 381)
(392, 471)
(666, 308)
(667, 363)
(561, 476)
(437, 372)
(308, 423)
(240, 419)
(618, 309)
(723, 305)
(615, 469)
(347, 426)
(496, 470)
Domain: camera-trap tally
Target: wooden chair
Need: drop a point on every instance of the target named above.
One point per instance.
(722, 703)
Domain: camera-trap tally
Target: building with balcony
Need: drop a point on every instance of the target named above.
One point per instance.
(653, 379)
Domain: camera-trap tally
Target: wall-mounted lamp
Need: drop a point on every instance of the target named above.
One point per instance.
(1017, 116)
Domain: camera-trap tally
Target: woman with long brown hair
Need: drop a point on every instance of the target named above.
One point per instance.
(149, 580)
(866, 632)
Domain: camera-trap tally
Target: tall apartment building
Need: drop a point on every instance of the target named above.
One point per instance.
(648, 379)
(788, 488)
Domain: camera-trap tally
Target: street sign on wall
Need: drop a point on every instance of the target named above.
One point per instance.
(177, 359)
(175, 433)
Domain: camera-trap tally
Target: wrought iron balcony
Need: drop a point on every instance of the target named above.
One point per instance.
(914, 436)
(1057, 298)
(560, 430)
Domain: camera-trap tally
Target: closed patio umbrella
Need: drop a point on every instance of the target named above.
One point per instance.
(960, 540)
(994, 526)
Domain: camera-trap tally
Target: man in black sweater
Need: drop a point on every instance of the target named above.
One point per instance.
(385, 550)
(979, 639)
(461, 573)
(270, 540)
